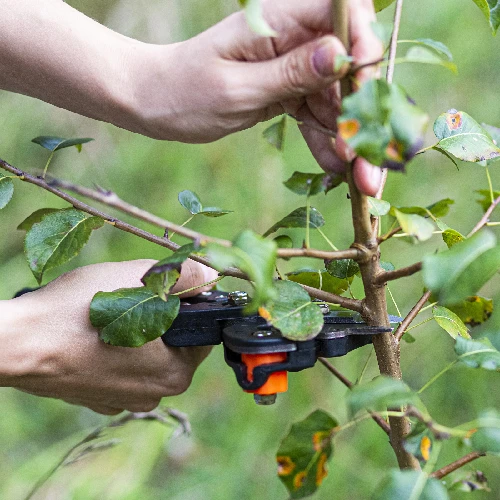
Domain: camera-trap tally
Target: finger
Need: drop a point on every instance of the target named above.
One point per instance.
(366, 176)
(300, 72)
(98, 408)
(192, 275)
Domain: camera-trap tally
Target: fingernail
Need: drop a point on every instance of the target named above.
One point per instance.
(324, 59)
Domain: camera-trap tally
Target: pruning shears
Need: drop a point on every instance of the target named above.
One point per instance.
(259, 355)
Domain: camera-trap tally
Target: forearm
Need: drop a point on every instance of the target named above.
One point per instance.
(52, 52)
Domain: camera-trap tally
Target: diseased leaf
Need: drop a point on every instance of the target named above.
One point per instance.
(452, 237)
(378, 207)
(477, 353)
(379, 394)
(382, 4)
(494, 133)
(6, 190)
(256, 257)
(485, 201)
(414, 225)
(130, 317)
(321, 280)
(420, 441)
(310, 184)
(255, 19)
(298, 218)
(400, 484)
(56, 143)
(473, 310)
(382, 125)
(275, 134)
(461, 136)
(161, 277)
(190, 201)
(445, 153)
(426, 56)
(292, 312)
(450, 322)
(342, 268)
(471, 481)
(303, 454)
(461, 271)
(487, 436)
(491, 9)
(57, 239)
(35, 217)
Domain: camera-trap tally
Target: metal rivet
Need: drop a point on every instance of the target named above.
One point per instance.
(265, 399)
(238, 298)
(262, 333)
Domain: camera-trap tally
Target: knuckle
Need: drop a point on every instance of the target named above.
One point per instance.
(292, 69)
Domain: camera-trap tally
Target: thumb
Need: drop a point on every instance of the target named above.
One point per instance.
(302, 71)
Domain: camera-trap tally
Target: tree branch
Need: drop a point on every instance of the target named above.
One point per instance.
(448, 469)
(400, 331)
(376, 417)
(388, 235)
(386, 276)
(352, 304)
(485, 217)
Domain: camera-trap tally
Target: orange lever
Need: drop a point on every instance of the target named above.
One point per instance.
(277, 382)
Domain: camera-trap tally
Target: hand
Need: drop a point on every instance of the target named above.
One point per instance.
(54, 351)
(228, 79)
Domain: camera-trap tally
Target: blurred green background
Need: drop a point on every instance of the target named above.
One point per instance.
(231, 452)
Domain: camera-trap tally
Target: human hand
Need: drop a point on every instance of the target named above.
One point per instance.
(228, 79)
(53, 350)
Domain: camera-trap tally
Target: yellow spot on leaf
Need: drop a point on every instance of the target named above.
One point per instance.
(285, 465)
(470, 432)
(425, 448)
(348, 129)
(299, 479)
(321, 471)
(454, 120)
(394, 151)
(320, 438)
(264, 313)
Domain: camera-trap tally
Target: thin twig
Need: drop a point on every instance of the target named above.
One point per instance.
(352, 304)
(485, 217)
(355, 68)
(388, 235)
(350, 253)
(376, 417)
(401, 329)
(398, 273)
(448, 469)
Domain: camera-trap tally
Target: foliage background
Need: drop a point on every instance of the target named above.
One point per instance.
(231, 454)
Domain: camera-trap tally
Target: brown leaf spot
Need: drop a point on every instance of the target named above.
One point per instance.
(454, 120)
(320, 439)
(425, 447)
(470, 433)
(264, 313)
(321, 471)
(348, 129)
(299, 479)
(285, 465)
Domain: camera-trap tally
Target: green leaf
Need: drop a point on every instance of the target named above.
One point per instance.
(255, 19)
(414, 225)
(293, 313)
(400, 484)
(275, 134)
(321, 280)
(461, 136)
(438, 47)
(469, 482)
(382, 4)
(256, 257)
(487, 436)
(445, 153)
(56, 143)
(130, 317)
(190, 201)
(35, 217)
(383, 32)
(473, 310)
(420, 441)
(438, 209)
(310, 184)
(342, 268)
(450, 322)
(477, 354)
(494, 133)
(342, 60)
(387, 266)
(378, 207)
(461, 271)
(164, 274)
(426, 56)
(283, 241)
(379, 394)
(491, 9)
(485, 201)
(381, 124)
(6, 190)
(303, 454)
(452, 237)
(298, 218)
(214, 212)
(57, 238)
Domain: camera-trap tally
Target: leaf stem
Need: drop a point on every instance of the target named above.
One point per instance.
(419, 324)
(182, 225)
(437, 376)
(220, 278)
(308, 215)
(325, 237)
(47, 164)
(400, 330)
(492, 196)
